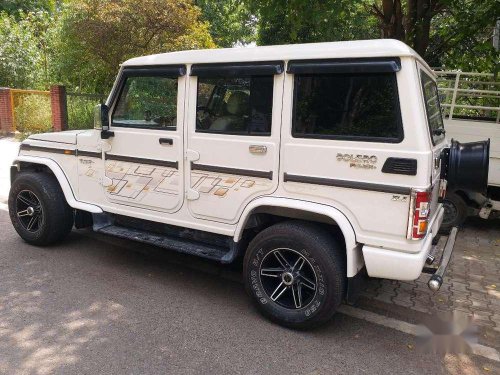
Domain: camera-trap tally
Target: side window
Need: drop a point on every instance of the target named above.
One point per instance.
(432, 108)
(240, 105)
(362, 107)
(147, 102)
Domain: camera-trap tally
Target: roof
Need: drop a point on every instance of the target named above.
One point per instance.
(329, 50)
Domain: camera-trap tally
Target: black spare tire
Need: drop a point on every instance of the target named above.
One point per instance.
(466, 166)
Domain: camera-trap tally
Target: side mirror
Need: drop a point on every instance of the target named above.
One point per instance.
(101, 120)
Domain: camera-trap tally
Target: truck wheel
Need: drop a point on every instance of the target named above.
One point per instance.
(295, 274)
(455, 212)
(38, 209)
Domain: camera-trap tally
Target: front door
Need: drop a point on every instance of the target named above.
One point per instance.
(145, 161)
(233, 137)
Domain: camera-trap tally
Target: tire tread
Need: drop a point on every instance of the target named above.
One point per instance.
(328, 245)
(58, 214)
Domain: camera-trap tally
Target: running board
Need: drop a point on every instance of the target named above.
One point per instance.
(221, 254)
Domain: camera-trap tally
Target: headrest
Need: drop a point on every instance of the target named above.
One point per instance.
(237, 104)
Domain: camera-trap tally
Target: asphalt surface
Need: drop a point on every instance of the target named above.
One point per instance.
(99, 305)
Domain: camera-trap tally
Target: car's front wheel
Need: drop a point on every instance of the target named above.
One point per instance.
(38, 209)
(295, 273)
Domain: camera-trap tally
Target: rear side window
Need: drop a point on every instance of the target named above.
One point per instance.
(239, 105)
(432, 108)
(362, 107)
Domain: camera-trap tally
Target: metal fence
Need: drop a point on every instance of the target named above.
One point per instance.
(31, 110)
(474, 96)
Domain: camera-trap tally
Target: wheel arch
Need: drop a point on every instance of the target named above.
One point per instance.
(309, 211)
(22, 163)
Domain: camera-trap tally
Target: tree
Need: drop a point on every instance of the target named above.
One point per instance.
(300, 21)
(461, 36)
(27, 47)
(454, 33)
(231, 22)
(16, 7)
(98, 35)
(439, 29)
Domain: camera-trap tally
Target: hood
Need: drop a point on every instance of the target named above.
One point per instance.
(68, 136)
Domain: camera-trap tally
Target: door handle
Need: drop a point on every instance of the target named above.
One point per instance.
(257, 149)
(166, 141)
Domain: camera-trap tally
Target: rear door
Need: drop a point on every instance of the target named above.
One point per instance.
(145, 158)
(432, 107)
(343, 141)
(233, 137)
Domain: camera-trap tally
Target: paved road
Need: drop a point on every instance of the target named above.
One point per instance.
(97, 305)
(100, 305)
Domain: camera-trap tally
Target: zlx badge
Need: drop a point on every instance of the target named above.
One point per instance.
(400, 198)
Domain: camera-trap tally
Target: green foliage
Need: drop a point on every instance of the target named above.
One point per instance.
(101, 34)
(231, 22)
(302, 21)
(461, 36)
(81, 111)
(33, 114)
(27, 45)
(15, 7)
(453, 33)
(80, 43)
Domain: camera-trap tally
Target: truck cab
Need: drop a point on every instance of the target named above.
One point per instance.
(314, 163)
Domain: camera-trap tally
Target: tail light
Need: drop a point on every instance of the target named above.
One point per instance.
(419, 214)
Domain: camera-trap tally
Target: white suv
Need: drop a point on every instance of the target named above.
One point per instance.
(312, 162)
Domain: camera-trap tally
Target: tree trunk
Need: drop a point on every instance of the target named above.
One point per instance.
(422, 25)
(391, 17)
(412, 27)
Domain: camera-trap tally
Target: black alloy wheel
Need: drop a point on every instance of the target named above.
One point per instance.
(288, 278)
(29, 211)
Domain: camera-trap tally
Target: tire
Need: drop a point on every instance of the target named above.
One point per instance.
(286, 296)
(38, 209)
(455, 212)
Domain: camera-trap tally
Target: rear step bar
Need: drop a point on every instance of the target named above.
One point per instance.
(436, 279)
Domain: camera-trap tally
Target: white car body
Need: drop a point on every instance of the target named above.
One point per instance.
(167, 183)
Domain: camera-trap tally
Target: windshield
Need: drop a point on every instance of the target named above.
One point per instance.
(433, 108)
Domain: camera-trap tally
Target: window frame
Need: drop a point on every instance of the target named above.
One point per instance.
(163, 71)
(351, 138)
(247, 134)
(442, 137)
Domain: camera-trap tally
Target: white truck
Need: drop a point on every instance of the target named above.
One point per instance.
(311, 162)
(471, 111)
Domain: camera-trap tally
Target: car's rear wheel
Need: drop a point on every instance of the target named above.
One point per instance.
(295, 273)
(455, 212)
(38, 209)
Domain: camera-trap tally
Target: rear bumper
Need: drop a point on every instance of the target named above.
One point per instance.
(436, 279)
(398, 265)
